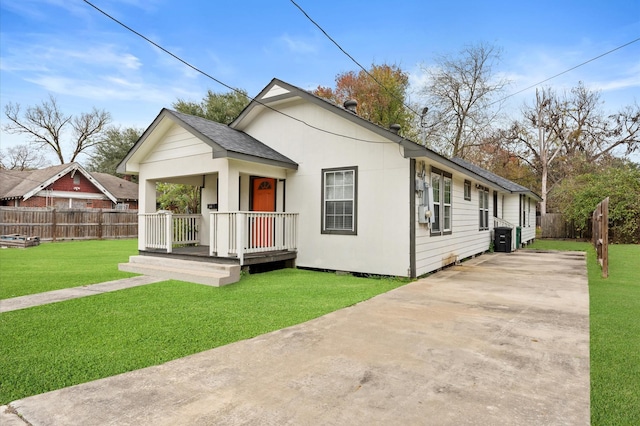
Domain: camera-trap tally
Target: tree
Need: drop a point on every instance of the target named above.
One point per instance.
(22, 157)
(460, 96)
(48, 128)
(113, 148)
(219, 107)
(178, 198)
(578, 196)
(380, 92)
(559, 135)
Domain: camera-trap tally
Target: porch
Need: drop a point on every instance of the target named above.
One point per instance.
(243, 237)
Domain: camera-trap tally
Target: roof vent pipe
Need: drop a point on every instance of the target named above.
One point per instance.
(351, 105)
(395, 128)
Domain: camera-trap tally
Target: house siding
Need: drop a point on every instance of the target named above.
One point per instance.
(381, 245)
(436, 251)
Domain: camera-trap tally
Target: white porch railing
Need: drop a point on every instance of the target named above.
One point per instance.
(240, 233)
(165, 230)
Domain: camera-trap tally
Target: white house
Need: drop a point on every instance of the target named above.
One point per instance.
(299, 179)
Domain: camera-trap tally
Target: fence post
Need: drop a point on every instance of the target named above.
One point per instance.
(169, 232)
(53, 225)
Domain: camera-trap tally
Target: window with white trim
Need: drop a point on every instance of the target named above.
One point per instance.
(483, 197)
(467, 190)
(339, 200)
(441, 182)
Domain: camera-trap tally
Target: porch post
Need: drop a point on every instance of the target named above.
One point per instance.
(240, 235)
(146, 204)
(169, 231)
(222, 234)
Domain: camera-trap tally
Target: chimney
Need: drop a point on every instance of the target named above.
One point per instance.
(351, 105)
(395, 128)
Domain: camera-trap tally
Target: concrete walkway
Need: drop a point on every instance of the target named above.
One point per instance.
(501, 339)
(31, 300)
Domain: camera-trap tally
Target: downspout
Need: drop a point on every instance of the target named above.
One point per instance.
(412, 218)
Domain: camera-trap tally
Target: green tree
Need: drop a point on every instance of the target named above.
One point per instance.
(381, 94)
(577, 197)
(49, 128)
(219, 107)
(178, 198)
(113, 148)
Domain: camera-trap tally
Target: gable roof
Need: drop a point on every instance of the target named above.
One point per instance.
(27, 183)
(278, 91)
(224, 141)
(503, 183)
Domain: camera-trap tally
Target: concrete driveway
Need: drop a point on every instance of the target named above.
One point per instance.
(501, 339)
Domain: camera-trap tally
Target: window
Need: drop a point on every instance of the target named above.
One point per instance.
(339, 201)
(442, 214)
(483, 197)
(467, 190)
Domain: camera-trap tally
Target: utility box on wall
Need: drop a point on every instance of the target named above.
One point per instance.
(502, 239)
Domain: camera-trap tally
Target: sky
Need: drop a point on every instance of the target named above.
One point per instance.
(67, 49)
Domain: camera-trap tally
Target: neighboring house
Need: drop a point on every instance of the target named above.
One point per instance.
(295, 176)
(66, 186)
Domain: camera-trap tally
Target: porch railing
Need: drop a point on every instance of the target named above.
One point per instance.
(241, 233)
(165, 230)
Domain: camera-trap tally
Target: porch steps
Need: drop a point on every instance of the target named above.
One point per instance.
(207, 273)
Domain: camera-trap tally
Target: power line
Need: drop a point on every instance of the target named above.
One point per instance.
(566, 71)
(193, 67)
(351, 57)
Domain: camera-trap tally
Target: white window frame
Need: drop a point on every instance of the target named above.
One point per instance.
(483, 208)
(338, 193)
(467, 190)
(442, 184)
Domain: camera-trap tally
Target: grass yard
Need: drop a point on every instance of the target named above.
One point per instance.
(52, 266)
(53, 346)
(615, 332)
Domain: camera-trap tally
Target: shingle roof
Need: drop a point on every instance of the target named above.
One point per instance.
(230, 139)
(492, 177)
(120, 188)
(17, 184)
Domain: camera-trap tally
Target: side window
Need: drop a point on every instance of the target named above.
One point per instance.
(339, 200)
(467, 190)
(442, 184)
(483, 204)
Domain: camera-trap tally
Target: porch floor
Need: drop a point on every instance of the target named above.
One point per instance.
(201, 253)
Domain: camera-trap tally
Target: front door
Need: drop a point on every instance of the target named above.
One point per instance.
(263, 199)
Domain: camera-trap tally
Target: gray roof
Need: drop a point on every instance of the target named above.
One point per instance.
(231, 140)
(122, 189)
(505, 184)
(18, 183)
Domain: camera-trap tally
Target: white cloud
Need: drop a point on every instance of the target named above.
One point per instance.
(298, 45)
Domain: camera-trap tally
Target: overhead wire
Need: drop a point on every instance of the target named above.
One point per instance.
(351, 57)
(500, 100)
(198, 70)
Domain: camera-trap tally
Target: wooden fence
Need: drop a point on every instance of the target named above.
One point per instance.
(601, 234)
(554, 225)
(51, 224)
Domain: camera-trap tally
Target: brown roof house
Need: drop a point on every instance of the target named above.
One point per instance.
(66, 186)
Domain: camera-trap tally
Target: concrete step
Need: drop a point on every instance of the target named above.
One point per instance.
(213, 274)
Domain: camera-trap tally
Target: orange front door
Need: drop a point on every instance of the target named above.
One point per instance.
(263, 199)
(263, 195)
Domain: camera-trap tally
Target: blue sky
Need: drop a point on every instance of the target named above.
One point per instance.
(66, 48)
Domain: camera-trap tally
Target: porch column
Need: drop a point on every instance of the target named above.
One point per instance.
(228, 201)
(146, 204)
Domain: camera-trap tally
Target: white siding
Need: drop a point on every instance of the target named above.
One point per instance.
(465, 240)
(381, 245)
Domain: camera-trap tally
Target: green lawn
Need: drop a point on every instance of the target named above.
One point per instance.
(615, 332)
(52, 266)
(61, 344)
